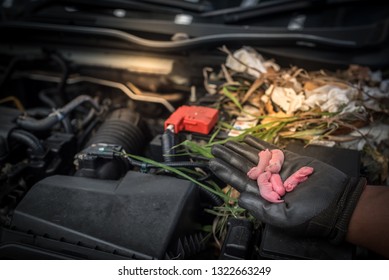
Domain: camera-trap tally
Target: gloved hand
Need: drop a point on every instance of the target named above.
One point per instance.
(319, 207)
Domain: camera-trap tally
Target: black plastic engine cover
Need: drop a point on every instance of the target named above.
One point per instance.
(138, 216)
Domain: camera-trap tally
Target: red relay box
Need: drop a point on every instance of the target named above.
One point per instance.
(193, 118)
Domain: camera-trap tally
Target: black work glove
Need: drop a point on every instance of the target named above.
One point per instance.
(319, 207)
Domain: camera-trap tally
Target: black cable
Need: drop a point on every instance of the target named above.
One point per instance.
(55, 117)
(65, 74)
(168, 142)
(78, 101)
(29, 140)
(82, 138)
(175, 164)
(213, 198)
(88, 118)
(67, 125)
(204, 178)
(45, 99)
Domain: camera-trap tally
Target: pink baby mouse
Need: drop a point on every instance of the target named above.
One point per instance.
(264, 158)
(276, 161)
(275, 165)
(299, 176)
(277, 184)
(266, 188)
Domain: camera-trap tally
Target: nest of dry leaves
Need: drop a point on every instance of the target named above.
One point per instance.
(346, 108)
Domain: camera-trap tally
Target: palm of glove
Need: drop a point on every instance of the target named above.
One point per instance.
(320, 206)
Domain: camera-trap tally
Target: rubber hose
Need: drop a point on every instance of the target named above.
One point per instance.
(29, 140)
(65, 73)
(168, 142)
(47, 123)
(121, 127)
(38, 112)
(47, 100)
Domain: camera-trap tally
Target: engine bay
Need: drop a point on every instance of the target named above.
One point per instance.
(70, 191)
(104, 145)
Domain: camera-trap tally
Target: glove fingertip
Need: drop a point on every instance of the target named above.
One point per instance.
(215, 149)
(215, 164)
(258, 143)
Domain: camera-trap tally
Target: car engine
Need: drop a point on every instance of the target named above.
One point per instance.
(102, 132)
(63, 137)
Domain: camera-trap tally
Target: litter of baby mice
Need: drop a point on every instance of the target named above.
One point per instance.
(269, 181)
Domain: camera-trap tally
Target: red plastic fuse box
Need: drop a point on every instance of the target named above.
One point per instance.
(193, 118)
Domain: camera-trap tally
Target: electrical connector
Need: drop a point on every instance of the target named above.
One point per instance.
(197, 119)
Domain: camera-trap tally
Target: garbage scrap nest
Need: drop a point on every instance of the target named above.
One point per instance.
(348, 108)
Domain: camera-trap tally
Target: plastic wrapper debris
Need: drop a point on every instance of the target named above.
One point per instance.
(372, 98)
(248, 60)
(375, 133)
(286, 98)
(330, 98)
